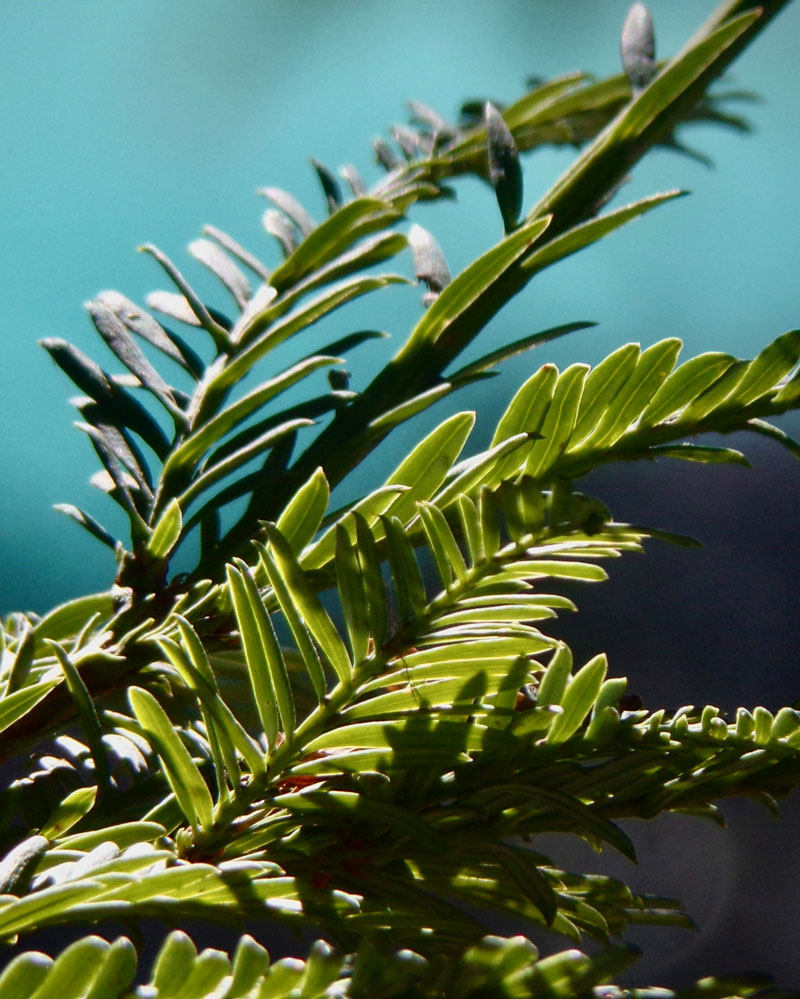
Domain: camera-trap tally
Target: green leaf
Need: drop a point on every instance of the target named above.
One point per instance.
(645, 121)
(208, 975)
(709, 402)
(24, 974)
(610, 693)
(652, 369)
(197, 673)
(318, 622)
(116, 972)
(18, 704)
(449, 560)
(684, 385)
(43, 906)
(366, 253)
(522, 869)
(676, 78)
(763, 725)
(411, 407)
(278, 674)
(283, 977)
(700, 452)
(406, 575)
(286, 600)
(255, 651)
(374, 587)
(73, 971)
(531, 600)
(350, 585)
(787, 394)
(584, 235)
(578, 699)
(602, 388)
(303, 515)
(541, 567)
(184, 457)
(343, 345)
(167, 531)
(500, 611)
(774, 362)
(447, 737)
(371, 507)
(332, 237)
(422, 671)
(488, 513)
(483, 649)
(474, 282)
(65, 620)
(250, 962)
(787, 722)
(557, 426)
(513, 349)
(426, 467)
(774, 433)
(556, 677)
(323, 967)
(248, 452)
(124, 835)
(471, 527)
(174, 964)
(603, 727)
(526, 411)
(257, 346)
(70, 811)
(537, 103)
(84, 705)
(227, 771)
(481, 469)
(17, 863)
(425, 689)
(180, 770)
(363, 810)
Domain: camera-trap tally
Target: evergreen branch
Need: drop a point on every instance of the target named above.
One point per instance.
(362, 728)
(456, 693)
(353, 237)
(558, 426)
(502, 966)
(418, 365)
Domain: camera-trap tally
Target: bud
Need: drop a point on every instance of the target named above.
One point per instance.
(637, 47)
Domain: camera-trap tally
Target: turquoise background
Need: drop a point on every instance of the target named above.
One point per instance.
(142, 120)
(132, 122)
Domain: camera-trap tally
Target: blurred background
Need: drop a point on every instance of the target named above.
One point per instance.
(128, 123)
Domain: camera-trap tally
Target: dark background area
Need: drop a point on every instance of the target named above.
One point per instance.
(133, 122)
(716, 626)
